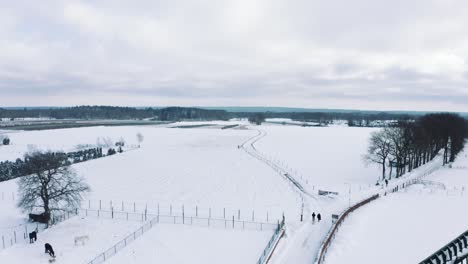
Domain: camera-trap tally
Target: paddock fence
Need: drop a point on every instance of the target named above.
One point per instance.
(155, 208)
(272, 243)
(181, 220)
(101, 258)
(8, 196)
(454, 252)
(225, 223)
(20, 233)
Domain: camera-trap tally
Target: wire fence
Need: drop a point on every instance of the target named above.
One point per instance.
(20, 233)
(155, 208)
(227, 223)
(101, 258)
(8, 196)
(174, 219)
(272, 243)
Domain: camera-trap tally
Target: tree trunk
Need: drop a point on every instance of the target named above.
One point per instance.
(383, 169)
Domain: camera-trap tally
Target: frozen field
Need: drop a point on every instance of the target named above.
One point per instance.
(408, 226)
(204, 168)
(200, 167)
(176, 244)
(102, 235)
(325, 157)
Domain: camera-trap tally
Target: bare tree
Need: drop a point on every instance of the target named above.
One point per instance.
(140, 138)
(379, 149)
(51, 184)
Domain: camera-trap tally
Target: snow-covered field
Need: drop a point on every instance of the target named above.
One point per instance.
(201, 169)
(329, 158)
(174, 244)
(408, 226)
(102, 233)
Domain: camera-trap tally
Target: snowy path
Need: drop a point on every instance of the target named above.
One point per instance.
(302, 241)
(370, 234)
(249, 147)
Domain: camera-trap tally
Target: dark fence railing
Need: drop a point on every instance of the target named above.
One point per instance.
(450, 253)
(332, 233)
(270, 247)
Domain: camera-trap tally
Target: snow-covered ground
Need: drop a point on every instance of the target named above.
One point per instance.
(328, 158)
(407, 226)
(174, 244)
(195, 168)
(102, 233)
(202, 168)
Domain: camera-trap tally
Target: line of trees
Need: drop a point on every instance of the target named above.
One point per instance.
(11, 170)
(116, 113)
(355, 118)
(410, 144)
(257, 118)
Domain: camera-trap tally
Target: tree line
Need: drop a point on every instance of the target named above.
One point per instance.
(410, 144)
(357, 118)
(21, 167)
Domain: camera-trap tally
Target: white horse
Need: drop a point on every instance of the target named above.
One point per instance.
(81, 240)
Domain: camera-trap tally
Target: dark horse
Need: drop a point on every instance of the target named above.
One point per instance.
(32, 237)
(49, 249)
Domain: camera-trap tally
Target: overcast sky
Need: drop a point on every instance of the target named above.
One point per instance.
(360, 54)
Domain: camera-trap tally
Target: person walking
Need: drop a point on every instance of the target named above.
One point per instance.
(386, 183)
(319, 217)
(313, 217)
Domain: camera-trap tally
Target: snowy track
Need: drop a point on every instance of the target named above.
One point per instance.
(249, 147)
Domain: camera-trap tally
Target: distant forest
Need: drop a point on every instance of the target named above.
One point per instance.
(356, 118)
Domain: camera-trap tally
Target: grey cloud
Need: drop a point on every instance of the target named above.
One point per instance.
(291, 52)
